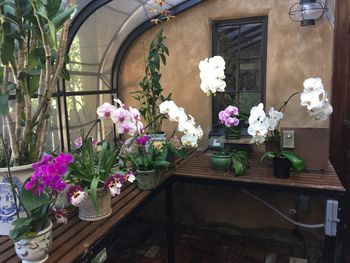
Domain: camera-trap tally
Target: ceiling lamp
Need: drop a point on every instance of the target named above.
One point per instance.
(307, 11)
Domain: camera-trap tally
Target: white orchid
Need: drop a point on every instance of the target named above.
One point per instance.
(189, 140)
(178, 115)
(167, 106)
(212, 74)
(322, 113)
(313, 85)
(198, 132)
(273, 118)
(257, 114)
(315, 98)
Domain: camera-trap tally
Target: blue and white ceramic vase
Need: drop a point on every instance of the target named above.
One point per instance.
(7, 201)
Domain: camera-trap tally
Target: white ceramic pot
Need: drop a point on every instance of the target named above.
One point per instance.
(35, 249)
(88, 212)
(7, 202)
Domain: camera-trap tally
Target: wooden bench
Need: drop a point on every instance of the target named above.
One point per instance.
(77, 239)
(80, 240)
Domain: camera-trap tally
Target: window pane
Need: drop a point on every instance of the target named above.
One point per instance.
(228, 41)
(250, 40)
(84, 83)
(247, 100)
(250, 75)
(82, 116)
(231, 73)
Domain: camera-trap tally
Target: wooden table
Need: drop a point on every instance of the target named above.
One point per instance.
(197, 170)
(78, 241)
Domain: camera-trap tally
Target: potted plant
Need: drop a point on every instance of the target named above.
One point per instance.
(236, 160)
(32, 48)
(147, 161)
(226, 117)
(38, 198)
(93, 172)
(150, 96)
(265, 127)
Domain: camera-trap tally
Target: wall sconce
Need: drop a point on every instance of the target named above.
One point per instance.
(307, 11)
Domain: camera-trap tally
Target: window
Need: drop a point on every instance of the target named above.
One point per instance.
(242, 43)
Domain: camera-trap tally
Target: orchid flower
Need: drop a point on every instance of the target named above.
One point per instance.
(105, 110)
(76, 195)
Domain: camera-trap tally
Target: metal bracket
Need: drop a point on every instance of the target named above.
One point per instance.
(331, 219)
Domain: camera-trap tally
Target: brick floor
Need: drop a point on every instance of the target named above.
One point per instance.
(147, 244)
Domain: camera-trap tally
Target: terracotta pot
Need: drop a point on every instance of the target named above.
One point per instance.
(7, 202)
(281, 167)
(88, 212)
(147, 180)
(221, 162)
(35, 249)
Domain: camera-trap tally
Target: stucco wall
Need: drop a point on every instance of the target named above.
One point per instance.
(294, 53)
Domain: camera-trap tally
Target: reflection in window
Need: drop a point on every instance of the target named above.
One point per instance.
(242, 43)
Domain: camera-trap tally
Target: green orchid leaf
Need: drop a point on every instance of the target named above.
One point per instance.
(269, 155)
(296, 161)
(93, 192)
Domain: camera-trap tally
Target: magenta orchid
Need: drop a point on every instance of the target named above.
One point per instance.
(48, 174)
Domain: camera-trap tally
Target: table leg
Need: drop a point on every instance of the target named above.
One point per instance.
(170, 222)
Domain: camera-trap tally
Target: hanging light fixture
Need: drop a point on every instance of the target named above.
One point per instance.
(307, 11)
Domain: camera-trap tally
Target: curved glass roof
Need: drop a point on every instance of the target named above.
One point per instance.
(101, 35)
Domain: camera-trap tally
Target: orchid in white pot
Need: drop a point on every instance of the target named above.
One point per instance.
(264, 127)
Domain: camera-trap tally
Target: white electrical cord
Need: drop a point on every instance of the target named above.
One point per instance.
(281, 214)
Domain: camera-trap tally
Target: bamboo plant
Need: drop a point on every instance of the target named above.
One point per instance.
(32, 52)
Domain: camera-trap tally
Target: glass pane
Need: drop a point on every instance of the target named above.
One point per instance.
(84, 83)
(231, 73)
(250, 75)
(53, 142)
(250, 40)
(228, 41)
(82, 116)
(247, 100)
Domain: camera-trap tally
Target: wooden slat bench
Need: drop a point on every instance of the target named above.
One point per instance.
(75, 239)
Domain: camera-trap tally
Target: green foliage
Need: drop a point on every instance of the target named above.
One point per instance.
(155, 157)
(297, 163)
(240, 162)
(27, 29)
(150, 95)
(92, 166)
(37, 208)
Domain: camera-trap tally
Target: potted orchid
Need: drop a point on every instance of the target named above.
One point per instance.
(265, 127)
(38, 198)
(212, 75)
(235, 160)
(93, 173)
(147, 157)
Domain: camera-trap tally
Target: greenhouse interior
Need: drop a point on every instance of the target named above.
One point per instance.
(187, 131)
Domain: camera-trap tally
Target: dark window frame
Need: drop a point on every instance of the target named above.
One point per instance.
(263, 64)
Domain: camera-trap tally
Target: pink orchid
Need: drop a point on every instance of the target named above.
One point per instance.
(231, 110)
(120, 116)
(105, 110)
(231, 122)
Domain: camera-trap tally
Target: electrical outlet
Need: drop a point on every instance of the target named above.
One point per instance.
(288, 139)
